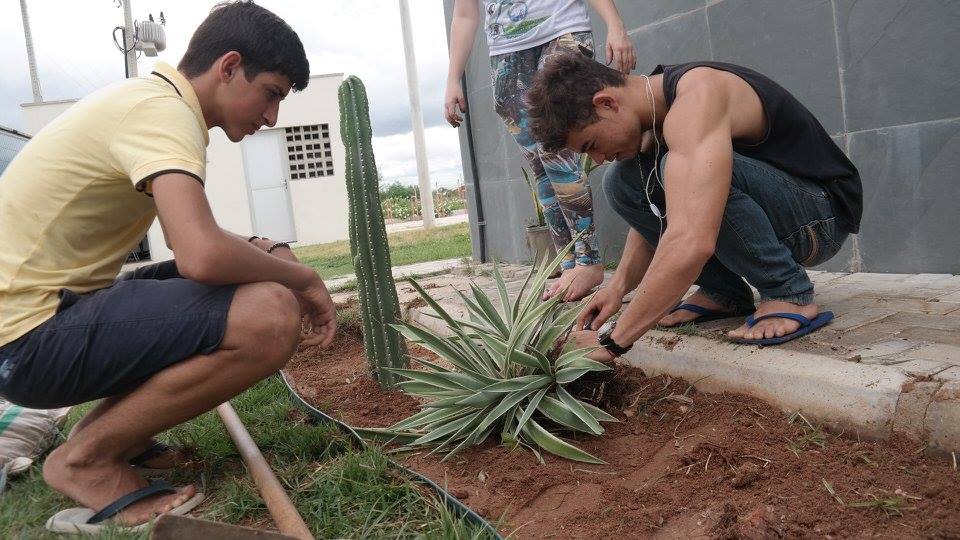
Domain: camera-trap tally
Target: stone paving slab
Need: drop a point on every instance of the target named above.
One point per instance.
(891, 361)
(419, 269)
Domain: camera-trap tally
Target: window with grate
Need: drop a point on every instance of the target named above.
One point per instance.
(308, 151)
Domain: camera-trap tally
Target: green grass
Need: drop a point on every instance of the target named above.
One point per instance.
(812, 435)
(406, 247)
(340, 492)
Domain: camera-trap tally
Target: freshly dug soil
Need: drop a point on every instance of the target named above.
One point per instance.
(680, 464)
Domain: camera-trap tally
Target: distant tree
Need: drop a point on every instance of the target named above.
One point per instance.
(396, 190)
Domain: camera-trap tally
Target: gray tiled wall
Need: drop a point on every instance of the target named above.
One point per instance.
(883, 77)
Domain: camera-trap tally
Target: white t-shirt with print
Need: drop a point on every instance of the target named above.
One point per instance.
(515, 25)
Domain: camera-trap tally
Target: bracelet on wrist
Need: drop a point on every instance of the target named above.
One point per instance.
(252, 238)
(278, 245)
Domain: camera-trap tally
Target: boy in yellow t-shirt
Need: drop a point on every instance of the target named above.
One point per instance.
(170, 341)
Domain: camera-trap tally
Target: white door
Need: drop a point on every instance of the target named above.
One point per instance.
(270, 208)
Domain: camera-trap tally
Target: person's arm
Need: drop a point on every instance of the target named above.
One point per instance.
(633, 264)
(697, 182)
(636, 258)
(264, 244)
(206, 253)
(619, 48)
(466, 17)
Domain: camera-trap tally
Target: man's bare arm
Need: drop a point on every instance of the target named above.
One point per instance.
(697, 177)
(636, 258)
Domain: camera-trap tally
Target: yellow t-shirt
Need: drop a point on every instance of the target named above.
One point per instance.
(75, 200)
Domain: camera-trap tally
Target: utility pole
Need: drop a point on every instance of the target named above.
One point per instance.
(423, 169)
(31, 59)
(129, 50)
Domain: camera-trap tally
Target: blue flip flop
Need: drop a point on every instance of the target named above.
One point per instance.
(705, 314)
(806, 326)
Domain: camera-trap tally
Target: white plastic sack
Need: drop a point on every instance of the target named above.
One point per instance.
(26, 433)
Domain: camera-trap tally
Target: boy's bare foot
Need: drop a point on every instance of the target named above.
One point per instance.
(683, 316)
(776, 326)
(581, 279)
(96, 482)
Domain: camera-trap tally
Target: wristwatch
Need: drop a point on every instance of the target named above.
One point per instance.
(608, 343)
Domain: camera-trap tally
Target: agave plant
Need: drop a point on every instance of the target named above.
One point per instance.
(508, 374)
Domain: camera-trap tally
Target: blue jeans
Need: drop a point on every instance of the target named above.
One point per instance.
(773, 226)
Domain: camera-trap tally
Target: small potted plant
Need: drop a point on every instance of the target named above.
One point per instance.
(539, 238)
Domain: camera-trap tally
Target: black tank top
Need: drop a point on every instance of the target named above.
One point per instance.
(795, 141)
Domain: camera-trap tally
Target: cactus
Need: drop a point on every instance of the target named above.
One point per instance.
(379, 307)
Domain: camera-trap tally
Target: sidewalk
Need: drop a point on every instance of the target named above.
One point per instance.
(889, 363)
(438, 222)
(427, 268)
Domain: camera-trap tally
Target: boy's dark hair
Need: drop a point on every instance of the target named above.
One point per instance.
(561, 97)
(265, 42)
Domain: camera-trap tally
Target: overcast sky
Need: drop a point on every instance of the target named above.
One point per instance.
(76, 55)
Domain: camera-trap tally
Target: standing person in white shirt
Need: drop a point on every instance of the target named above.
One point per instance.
(521, 35)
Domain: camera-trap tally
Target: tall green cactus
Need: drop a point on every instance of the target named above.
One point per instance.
(379, 307)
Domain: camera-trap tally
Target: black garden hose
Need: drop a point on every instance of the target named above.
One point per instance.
(452, 502)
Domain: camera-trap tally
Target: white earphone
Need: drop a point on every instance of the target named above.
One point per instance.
(655, 171)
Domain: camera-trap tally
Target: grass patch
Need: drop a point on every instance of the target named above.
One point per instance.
(812, 435)
(406, 247)
(890, 504)
(340, 492)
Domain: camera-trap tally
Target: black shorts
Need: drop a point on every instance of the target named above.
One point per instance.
(110, 341)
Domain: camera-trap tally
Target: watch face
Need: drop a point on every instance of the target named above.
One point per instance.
(606, 328)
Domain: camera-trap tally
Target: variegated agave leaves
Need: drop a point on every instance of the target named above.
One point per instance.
(508, 377)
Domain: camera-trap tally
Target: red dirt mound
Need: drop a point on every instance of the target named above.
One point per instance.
(680, 464)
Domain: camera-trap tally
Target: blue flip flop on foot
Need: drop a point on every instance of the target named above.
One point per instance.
(806, 326)
(705, 314)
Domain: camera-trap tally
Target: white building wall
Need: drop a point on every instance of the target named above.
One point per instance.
(320, 206)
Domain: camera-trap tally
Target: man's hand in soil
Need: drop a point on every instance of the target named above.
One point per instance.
(588, 338)
(603, 305)
(319, 315)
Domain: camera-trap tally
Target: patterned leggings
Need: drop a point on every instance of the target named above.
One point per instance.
(562, 188)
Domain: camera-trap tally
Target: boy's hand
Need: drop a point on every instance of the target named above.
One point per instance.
(319, 315)
(588, 338)
(620, 53)
(451, 102)
(604, 304)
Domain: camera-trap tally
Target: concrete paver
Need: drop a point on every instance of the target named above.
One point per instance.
(926, 279)
(885, 349)
(952, 297)
(943, 352)
(922, 368)
(419, 269)
(850, 320)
